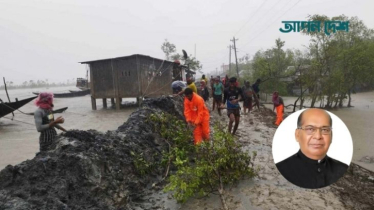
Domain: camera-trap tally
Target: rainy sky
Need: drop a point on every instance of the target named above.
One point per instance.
(46, 39)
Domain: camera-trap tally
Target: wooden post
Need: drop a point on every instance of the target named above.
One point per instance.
(118, 103)
(112, 101)
(104, 103)
(6, 90)
(139, 100)
(93, 103)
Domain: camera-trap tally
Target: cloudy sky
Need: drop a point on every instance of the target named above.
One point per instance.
(47, 39)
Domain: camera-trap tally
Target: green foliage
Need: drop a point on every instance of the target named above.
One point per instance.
(271, 65)
(142, 166)
(214, 164)
(330, 68)
(169, 49)
(201, 169)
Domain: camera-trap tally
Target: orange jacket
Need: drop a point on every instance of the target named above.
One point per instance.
(195, 110)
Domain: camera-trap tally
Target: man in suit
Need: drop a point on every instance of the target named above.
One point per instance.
(310, 167)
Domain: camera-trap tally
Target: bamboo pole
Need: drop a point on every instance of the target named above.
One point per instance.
(6, 90)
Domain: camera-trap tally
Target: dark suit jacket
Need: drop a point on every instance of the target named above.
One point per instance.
(308, 173)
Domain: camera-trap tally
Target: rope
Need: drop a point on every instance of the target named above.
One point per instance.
(155, 76)
(158, 89)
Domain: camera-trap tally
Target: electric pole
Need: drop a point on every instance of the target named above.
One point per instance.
(236, 58)
(229, 58)
(195, 52)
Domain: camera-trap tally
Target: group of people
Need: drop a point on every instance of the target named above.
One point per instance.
(195, 110)
(226, 94)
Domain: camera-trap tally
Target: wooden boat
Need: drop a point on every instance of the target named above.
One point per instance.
(6, 108)
(54, 111)
(71, 94)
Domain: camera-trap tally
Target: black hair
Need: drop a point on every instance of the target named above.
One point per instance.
(258, 80)
(232, 79)
(188, 91)
(300, 118)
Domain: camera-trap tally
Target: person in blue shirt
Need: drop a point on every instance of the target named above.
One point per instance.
(232, 96)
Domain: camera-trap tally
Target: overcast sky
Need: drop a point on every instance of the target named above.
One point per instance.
(47, 39)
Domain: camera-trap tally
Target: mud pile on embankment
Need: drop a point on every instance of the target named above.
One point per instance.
(89, 169)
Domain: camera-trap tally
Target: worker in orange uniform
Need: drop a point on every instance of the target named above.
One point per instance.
(197, 115)
(279, 105)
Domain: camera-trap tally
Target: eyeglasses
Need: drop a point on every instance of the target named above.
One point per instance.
(310, 130)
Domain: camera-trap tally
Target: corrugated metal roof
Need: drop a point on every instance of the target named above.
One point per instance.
(86, 62)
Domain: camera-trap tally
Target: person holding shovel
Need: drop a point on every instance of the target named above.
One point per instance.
(232, 96)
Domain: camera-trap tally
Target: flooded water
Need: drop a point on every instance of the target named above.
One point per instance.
(19, 139)
(359, 120)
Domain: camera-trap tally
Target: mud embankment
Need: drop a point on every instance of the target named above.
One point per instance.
(93, 170)
(90, 169)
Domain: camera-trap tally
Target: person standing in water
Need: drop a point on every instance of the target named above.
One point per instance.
(45, 122)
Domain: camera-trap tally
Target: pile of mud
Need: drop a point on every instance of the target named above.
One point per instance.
(356, 188)
(89, 169)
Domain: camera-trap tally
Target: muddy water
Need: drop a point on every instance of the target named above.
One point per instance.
(19, 138)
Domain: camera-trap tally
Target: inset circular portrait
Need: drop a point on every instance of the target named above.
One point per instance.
(312, 148)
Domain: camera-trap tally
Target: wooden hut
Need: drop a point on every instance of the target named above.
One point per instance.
(134, 76)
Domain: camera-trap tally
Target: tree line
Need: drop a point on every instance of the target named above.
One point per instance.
(325, 73)
(36, 84)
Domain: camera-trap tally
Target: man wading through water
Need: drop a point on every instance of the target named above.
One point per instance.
(197, 115)
(233, 95)
(45, 122)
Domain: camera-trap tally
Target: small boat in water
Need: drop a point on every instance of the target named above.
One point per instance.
(68, 95)
(7, 108)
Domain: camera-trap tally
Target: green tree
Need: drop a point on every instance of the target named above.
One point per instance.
(168, 49)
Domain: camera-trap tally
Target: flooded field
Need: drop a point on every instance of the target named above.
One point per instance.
(19, 139)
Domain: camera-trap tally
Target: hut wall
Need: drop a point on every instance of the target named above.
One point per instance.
(120, 77)
(127, 74)
(102, 83)
(156, 76)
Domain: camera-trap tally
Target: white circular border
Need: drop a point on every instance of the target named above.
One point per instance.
(284, 142)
